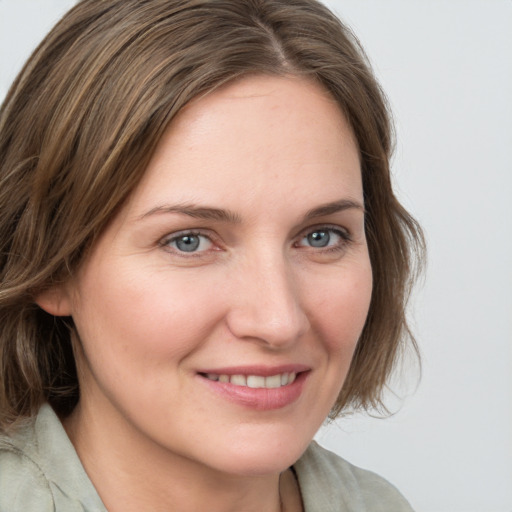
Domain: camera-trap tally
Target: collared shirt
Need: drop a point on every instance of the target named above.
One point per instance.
(40, 472)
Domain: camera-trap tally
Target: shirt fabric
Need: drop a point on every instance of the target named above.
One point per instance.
(40, 472)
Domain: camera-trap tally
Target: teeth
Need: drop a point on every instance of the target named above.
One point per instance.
(273, 382)
(255, 381)
(239, 380)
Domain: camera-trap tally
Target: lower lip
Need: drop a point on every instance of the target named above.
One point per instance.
(260, 399)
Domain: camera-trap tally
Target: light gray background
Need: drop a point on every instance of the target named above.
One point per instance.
(447, 68)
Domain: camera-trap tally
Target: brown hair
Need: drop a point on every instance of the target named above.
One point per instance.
(79, 126)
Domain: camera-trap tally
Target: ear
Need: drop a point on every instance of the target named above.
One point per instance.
(55, 301)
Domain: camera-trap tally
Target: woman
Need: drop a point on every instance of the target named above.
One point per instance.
(202, 259)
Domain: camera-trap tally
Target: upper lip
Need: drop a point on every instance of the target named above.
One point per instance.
(260, 370)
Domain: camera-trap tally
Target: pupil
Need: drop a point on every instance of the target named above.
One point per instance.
(187, 243)
(319, 239)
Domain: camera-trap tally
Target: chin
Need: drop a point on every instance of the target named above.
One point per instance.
(261, 456)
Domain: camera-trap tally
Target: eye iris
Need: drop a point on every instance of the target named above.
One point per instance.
(319, 238)
(187, 243)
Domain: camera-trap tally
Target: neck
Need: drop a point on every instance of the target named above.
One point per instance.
(133, 476)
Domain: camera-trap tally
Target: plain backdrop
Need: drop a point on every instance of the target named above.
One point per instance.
(447, 68)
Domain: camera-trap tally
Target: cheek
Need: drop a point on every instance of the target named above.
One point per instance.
(342, 308)
(123, 321)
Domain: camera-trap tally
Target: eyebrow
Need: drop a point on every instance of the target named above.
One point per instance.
(197, 212)
(219, 214)
(334, 207)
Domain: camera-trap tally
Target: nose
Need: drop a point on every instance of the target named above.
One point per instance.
(266, 303)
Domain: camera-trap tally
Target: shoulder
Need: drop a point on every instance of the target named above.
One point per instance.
(23, 485)
(330, 483)
(41, 472)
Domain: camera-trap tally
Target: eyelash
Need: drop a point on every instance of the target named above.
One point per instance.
(344, 236)
(165, 243)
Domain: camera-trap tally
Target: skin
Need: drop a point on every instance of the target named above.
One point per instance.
(269, 151)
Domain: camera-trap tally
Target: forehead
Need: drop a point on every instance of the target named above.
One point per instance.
(254, 137)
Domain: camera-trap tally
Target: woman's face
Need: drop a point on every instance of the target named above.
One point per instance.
(219, 311)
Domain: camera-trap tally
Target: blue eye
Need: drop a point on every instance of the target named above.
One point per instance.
(324, 238)
(319, 238)
(189, 242)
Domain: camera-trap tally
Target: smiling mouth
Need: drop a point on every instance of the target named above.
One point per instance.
(254, 381)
